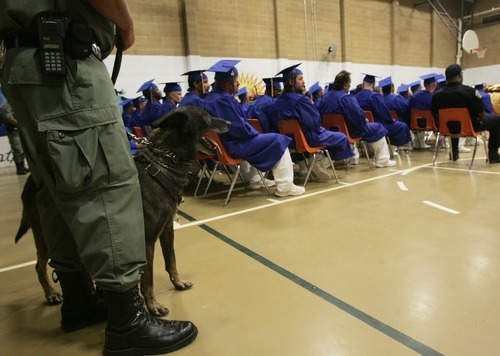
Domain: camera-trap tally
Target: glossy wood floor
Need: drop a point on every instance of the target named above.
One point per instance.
(399, 261)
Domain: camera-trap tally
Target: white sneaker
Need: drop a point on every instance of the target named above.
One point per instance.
(463, 149)
(388, 163)
(260, 184)
(296, 190)
(320, 173)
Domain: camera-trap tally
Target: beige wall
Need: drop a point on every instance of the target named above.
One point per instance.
(386, 32)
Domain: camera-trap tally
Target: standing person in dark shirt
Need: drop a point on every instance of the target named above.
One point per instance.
(457, 95)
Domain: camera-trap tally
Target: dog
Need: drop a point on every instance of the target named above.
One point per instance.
(163, 167)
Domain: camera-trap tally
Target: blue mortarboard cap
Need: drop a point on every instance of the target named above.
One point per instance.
(195, 75)
(242, 91)
(441, 78)
(290, 72)
(314, 88)
(414, 86)
(147, 86)
(139, 100)
(275, 80)
(479, 86)
(369, 78)
(385, 82)
(126, 103)
(402, 89)
(224, 69)
(172, 86)
(352, 91)
(429, 78)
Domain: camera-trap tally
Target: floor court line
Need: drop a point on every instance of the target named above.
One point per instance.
(349, 309)
(440, 207)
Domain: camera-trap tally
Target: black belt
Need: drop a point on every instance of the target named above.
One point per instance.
(22, 39)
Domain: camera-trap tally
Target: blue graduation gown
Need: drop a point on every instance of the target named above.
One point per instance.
(488, 106)
(262, 151)
(152, 112)
(291, 105)
(191, 99)
(398, 132)
(421, 100)
(400, 105)
(340, 102)
(257, 109)
(128, 119)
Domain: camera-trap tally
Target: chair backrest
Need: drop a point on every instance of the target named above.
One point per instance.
(456, 122)
(369, 116)
(394, 115)
(336, 122)
(292, 128)
(223, 156)
(138, 131)
(255, 124)
(422, 120)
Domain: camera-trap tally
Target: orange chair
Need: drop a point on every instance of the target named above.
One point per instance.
(292, 129)
(423, 120)
(456, 123)
(394, 115)
(223, 158)
(369, 116)
(336, 122)
(256, 124)
(138, 131)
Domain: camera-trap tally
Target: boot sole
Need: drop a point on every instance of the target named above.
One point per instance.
(145, 351)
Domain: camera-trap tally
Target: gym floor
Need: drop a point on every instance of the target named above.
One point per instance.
(390, 261)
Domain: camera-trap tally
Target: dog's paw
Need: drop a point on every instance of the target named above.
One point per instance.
(156, 309)
(54, 298)
(182, 285)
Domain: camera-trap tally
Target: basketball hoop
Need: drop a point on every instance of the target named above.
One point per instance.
(479, 51)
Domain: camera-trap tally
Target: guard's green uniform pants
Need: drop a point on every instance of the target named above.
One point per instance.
(89, 199)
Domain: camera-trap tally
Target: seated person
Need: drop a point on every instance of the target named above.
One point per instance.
(258, 108)
(153, 109)
(338, 101)
(457, 95)
(293, 105)
(488, 107)
(128, 112)
(242, 95)
(173, 96)
(262, 151)
(316, 93)
(369, 100)
(198, 88)
(395, 102)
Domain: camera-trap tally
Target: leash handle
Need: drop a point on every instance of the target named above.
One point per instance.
(118, 58)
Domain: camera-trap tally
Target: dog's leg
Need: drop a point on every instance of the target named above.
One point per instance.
(147, 287)
(167, 246)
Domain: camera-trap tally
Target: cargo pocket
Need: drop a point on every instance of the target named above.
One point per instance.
(73, 156)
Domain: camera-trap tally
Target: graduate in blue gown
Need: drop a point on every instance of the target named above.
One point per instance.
(173, 96)
(154, 108)
(488, 106)
(339, 101)
(395, 102)
(292, 105)
(261, 151)
(259, 108)
(242, 95)
(128, 112)
(369, 100)
(316, 94)
(198, 88)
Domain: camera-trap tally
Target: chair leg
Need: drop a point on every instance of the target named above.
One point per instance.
(485, 144)
(436, 150)
(309, 167)
(233, 182)
(366, 153)
(391, 154)
(263, 177)
(327, 154)
(473, 154)
(211, 178)
(202, 174)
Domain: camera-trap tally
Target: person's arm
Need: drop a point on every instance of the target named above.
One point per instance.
(117, 11)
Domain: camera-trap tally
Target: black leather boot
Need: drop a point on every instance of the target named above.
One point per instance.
(132, 331)
(21, 169)
(82, 304)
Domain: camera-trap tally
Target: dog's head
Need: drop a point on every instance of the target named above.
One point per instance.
(187, 124)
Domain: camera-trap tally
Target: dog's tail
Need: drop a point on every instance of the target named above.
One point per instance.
(23, 228)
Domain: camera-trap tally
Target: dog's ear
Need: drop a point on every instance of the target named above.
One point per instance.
(174, 118)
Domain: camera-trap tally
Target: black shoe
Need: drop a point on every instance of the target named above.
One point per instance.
(132, 331)
(454, 156)
(494, 159)
(83, 305)
(21, 169)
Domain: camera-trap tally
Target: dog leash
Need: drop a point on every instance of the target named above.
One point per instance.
(118, 59)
